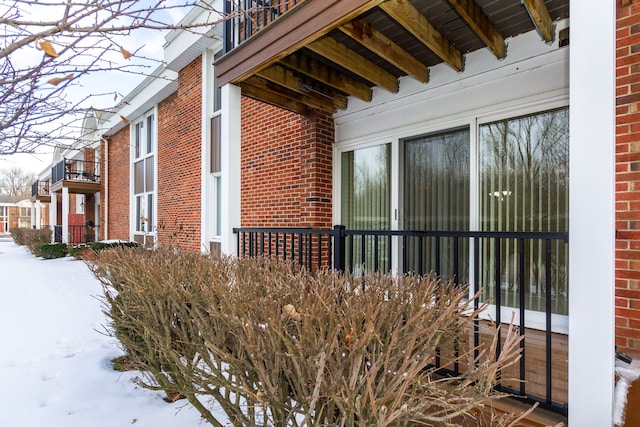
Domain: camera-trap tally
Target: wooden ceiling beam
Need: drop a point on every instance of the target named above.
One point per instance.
(312, 100)
(269, 97)
(319, 71)
(368, 36)
(345, 57)
(287, 78)
(481, 25)
(405, 14)
(541, 18)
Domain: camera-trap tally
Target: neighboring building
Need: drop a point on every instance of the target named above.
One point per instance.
(70, 190)
(435, 126)
(16, 212)
(9, 213)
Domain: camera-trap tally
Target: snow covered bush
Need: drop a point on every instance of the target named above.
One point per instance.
(276, 346)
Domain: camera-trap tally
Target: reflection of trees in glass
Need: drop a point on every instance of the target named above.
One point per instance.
(436, 198)
(366, 198)
(524, 186)
(524, 173)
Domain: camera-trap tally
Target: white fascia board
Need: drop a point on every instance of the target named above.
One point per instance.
(45, 174)
(150, 92)
(183, 46)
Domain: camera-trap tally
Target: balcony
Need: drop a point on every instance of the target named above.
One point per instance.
(79, 176)
(305, 55)
(530, 269)
(40, 191)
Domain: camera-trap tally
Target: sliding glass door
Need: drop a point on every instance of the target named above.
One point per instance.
(507, 175)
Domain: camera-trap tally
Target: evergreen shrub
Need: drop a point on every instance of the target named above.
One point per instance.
(52, 250)
(87, 251)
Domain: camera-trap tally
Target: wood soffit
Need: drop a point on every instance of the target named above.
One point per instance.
(320, 52)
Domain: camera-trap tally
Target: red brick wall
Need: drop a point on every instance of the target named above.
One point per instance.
(179, 160)
(118, 152)
(286, 167)
(628, 178)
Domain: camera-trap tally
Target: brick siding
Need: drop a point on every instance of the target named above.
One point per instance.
(627, 299)
(286, 167)
(118, 152)
(179, 161)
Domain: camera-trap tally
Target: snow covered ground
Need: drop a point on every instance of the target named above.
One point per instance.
(55, 364)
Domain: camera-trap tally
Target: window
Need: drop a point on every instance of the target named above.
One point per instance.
(216, 175)
(215, 162)
(143, 171)
(4, 219)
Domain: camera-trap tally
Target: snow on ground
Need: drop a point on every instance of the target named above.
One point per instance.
(55, 364)
(627, 374)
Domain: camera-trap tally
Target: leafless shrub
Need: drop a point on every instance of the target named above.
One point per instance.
(31, 238)
(276, 346)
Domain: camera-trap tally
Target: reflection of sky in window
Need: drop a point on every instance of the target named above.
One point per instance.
(372, 161)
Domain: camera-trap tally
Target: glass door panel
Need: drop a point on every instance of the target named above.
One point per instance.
(524, 186)
(366, 204)
(436, 189)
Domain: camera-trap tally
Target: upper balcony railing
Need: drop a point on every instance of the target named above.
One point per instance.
(249, 17)
(40, 188)
(75, 170)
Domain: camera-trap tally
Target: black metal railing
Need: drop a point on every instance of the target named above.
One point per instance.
(79, 234)
(57, 234)
(523, 271)
(40, 188)
(76, 234)
(246, 18)
(75, 170)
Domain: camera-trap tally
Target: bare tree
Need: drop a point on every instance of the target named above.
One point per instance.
(15, 181)
(50, 46)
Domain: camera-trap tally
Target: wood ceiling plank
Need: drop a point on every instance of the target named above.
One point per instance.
(287, 78)
(481, 25)
(541, 18)
(405, 14)
(316, 70)
(273, 98)
(368, 36)
(310, 99)
(345, 57)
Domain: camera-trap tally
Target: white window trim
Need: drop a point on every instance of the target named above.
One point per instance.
(209, 207)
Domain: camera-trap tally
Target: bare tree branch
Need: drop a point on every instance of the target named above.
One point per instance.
(15, 181)
(49, 47)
